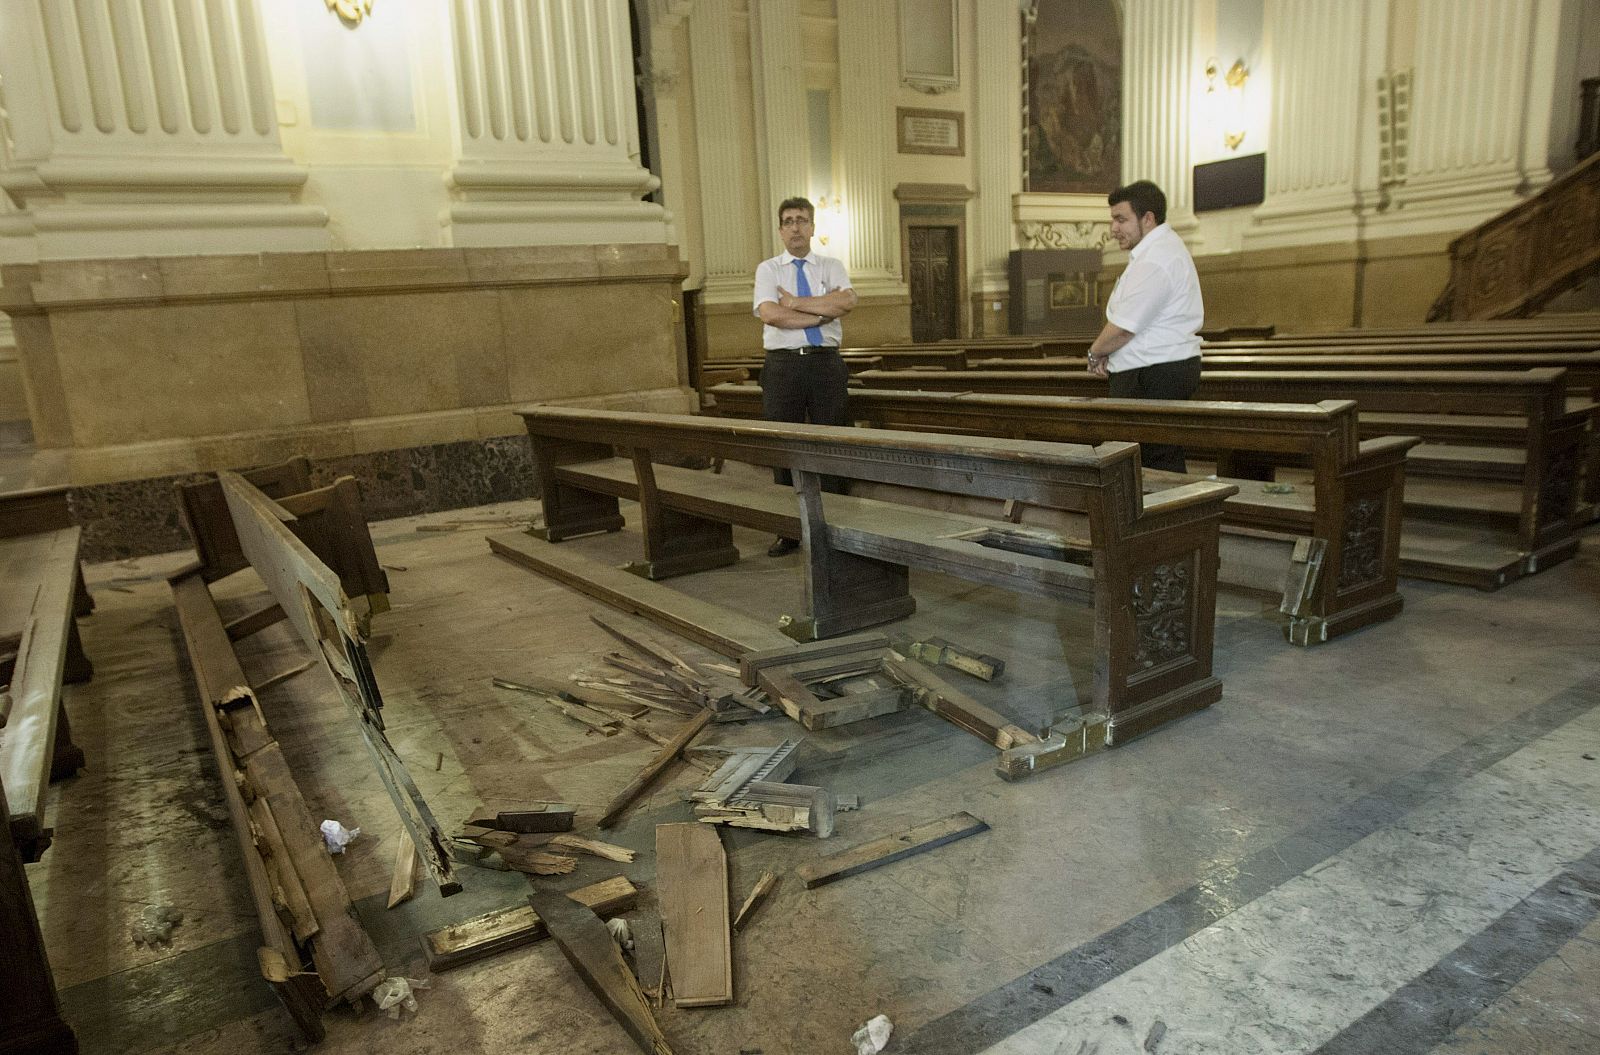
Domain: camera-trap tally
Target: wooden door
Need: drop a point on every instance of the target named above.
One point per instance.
(934, 276)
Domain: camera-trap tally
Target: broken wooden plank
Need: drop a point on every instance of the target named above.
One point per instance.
(855, 707)
(589, 947)
(717, 628)
(956, 707)
(284, 675)
(255, 622)
(512, 928)
(692, 882)
(936, 651)
(595, 847)
(536, 862)
(889, 849)
(645, 646)
(575, 710)
(782, 656)
(658, 764)
(537, 817)
(403, 883)
(758, 894)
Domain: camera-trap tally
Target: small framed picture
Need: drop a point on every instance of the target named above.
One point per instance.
(1069, 293)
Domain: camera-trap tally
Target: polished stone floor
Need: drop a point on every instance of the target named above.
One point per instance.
(1388, 844)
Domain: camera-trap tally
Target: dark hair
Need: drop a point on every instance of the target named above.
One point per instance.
(797, 203)
(1144, 196)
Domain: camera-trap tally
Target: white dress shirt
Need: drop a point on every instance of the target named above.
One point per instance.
(1157, 299)
(824, 274)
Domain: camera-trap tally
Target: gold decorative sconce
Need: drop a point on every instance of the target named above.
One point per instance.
(1233, 112)
(350, 12)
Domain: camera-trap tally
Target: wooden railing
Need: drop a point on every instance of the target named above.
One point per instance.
(1514, 264)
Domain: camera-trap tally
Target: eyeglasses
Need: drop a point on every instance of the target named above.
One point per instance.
(795, 221)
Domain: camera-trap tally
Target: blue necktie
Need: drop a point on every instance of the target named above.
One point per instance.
(802, 288)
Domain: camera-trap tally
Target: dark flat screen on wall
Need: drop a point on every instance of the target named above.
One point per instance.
(1231, 183)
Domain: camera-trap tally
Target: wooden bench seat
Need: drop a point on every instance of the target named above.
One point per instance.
(1320, 600)
(1148, 566)
(1528, 408)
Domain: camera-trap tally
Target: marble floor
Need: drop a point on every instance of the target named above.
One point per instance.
(1388, 844)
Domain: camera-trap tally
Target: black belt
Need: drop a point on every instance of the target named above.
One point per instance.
(811, 349)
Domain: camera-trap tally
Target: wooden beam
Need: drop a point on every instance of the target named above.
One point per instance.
(255, 622)
(403, 883)
(514, 927)
(593, 953)
(889, 849)
(717, 628)
(956, 707)
(658, 764)
(692, 881)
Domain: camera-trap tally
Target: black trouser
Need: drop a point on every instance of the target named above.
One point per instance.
(806, 386)
(1177, 380)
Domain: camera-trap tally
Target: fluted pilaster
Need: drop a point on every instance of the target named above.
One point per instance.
(867, 76)
(774, 53)
(146, 127)
(1319, 75)
(996, 139)
(731, 251)
(1470, 113)
(548, 135)
(1158, 77)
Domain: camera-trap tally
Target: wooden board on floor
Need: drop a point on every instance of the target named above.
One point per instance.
(890, 848)
(594, 955)
(692, 877)
(718, 628)
(512, 928)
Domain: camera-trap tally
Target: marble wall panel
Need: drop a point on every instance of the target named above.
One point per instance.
(134, 374)
(571, 341)
(402, 353)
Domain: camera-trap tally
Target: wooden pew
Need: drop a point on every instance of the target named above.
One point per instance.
(1575, 322)
(303, 907)
(41, 594)
(1533, 517)
(1347, 580)
(1148, 567)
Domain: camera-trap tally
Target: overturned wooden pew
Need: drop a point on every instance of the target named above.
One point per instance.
(301, 902)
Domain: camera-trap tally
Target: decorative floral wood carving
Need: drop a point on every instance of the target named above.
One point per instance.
(1558, 491)
(1361, 558)
(1161, 614)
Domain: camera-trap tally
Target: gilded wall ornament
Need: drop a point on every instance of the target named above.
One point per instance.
(350, 12)
(1070, 234)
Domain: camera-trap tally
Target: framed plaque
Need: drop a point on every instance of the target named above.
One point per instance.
(929, 131)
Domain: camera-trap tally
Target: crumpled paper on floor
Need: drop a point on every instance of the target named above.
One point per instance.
(394, 994)
(336, 836)
(870, 1038)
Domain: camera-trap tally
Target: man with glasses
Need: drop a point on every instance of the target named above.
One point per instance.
(800, 297)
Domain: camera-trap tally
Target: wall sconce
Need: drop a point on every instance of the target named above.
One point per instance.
(830, 218)
(1231, 103)
(350, 12)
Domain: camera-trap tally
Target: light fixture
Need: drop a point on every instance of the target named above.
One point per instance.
(829, 218)
(350, 12)
(1231, 104)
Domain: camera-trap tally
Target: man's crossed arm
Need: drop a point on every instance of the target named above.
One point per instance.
(796, 313)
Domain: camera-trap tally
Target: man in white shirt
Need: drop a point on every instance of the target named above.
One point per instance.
(1150, 346)
(800, 297)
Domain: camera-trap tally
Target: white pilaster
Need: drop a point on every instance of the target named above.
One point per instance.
(867, 76)
(548, 137)
(1159, 71)
(776, 54)
(145, 129)
(731, 250)
(997, 136)
(1321, 74)
(1471, 118)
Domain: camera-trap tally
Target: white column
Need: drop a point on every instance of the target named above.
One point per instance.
(727, 202)
(782, 130)
(996, 142)
(1320, 90)
(867, 77)
(548, 137)
(1470, 108)
(1159, 73)
(145, 129)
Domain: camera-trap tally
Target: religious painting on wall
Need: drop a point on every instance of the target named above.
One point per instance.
(1075, 97)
